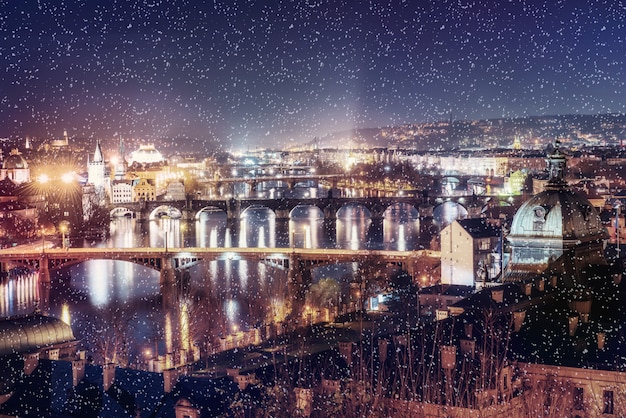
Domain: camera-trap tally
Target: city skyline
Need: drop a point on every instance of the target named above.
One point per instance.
(258, 74)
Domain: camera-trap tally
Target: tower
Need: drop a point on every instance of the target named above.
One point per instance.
(120, 167)
(96, 171)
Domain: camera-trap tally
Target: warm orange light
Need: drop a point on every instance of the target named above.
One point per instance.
(67, 178)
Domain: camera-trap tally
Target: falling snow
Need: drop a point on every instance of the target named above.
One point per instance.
(255, 72)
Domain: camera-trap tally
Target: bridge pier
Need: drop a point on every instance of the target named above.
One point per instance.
(428, 228)
(167, 274)
(330, 221)
(233, 209)
(375, 230)
(44, 270)
(44, 297)
(282, 214)
(300, 278)
(282, 232)
(232, 232)
(142, 215)
(188, 214)
(330, 227)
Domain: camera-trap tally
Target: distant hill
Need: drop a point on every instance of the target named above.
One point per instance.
(531, 132)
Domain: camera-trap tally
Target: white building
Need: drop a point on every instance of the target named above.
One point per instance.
(469, 252)
(121, 191)
(146, 154)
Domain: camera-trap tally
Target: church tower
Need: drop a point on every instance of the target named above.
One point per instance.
(120, 167)
(96, 171)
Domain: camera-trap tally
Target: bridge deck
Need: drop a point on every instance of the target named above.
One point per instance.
(126, 253)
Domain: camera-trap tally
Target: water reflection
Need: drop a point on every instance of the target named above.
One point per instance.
(19, 293)
(121, 311)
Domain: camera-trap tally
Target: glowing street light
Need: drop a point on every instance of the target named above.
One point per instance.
(64, 227)
(67, 178)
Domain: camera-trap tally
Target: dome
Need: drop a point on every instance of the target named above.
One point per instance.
(32, 333)
(558, 214)
(147, 154)
(15, 161)
(552, 222)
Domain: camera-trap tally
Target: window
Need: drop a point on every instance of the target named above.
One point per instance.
(607, 397)
(578, 399)
(539, 219)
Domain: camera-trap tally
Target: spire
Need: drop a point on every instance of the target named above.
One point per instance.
(120, 168)
(97, 155)
(65, 137)
(121, 148)
(557, 166)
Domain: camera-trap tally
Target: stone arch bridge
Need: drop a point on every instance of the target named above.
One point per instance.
(234, 208)
(298, 261)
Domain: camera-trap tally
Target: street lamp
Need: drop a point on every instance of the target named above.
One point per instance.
(64, 228)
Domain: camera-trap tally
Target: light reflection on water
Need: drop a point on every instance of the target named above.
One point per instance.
(219, 296)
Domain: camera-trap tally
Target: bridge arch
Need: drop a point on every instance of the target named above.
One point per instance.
(449, 185)
(256, 209)
(121, 212)
(307, 207)
(305, 184)
(209, 210)
(166, 211)
(448, 211)
(407, 210)
(341, 211)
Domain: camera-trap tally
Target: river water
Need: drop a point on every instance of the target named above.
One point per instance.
(122, 314)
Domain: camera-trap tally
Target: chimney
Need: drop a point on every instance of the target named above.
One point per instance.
(78, 371)
(31, 361)
(170, 378)
(108, 376)
(497, 295)
(601, 336)
(468, 347)
(382, 349)
(448, 357)
(541, 285)
(469, 329)
(345, 348)
(573, 325)
(554, 281)
(518, 320)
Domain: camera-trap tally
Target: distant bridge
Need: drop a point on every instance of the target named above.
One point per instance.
(192, 208)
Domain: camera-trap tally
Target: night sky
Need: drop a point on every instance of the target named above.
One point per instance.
(268, 73)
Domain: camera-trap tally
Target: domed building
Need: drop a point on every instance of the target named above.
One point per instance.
(553, 222)
(147, 154)
(16, 168)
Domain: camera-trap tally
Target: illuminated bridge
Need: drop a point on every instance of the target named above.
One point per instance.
(299, 261)
(282, 207)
